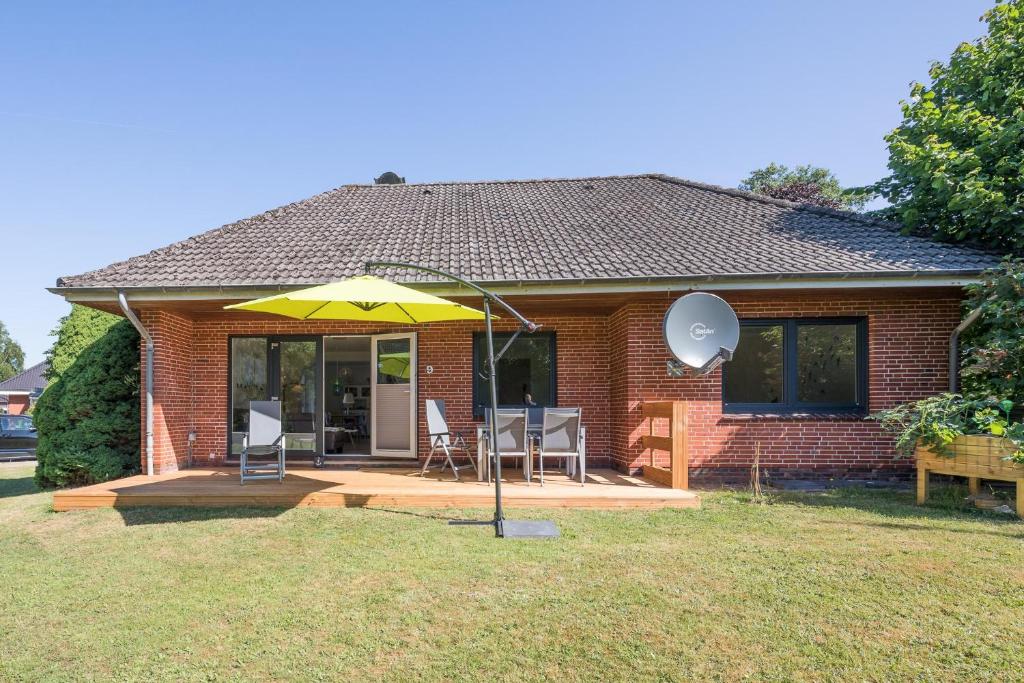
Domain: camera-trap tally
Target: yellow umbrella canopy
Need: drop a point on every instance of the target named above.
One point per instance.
(361, 298)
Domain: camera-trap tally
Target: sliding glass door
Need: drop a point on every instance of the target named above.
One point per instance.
(286, 369)
(371, 392)
(297, 366)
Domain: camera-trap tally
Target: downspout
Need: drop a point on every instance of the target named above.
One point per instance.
(954, 349)
(128, 313)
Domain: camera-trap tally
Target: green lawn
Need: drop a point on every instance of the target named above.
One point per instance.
(841, 586)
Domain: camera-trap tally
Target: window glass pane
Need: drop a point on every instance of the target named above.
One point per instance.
(754, 375)
(393, 361)
(826, 364)
(525, 372)
(248, 381)
(299, 394)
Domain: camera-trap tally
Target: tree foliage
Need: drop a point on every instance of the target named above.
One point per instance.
(993, 363)
(12, 358)
(88, 417)
(804, 185)
(74, 333)
(957, 161)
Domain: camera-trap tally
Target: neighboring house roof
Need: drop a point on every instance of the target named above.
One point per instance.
(29, 381)
(617, 227)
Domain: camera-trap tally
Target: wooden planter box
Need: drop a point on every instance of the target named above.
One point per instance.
(974, 457)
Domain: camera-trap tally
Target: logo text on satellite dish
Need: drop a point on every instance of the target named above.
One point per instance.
(699, 331)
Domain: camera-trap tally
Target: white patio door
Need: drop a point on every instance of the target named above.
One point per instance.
(393, 392)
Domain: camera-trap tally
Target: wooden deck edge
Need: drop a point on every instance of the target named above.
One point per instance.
(68, 502)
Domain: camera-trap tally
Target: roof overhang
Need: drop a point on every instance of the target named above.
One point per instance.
(753, 281)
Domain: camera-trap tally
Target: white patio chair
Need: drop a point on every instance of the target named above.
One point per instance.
(560, 438)
(442, 437)
(264, 439)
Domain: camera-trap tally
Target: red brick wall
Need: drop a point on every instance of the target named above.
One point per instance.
(17, 404)
(607, 365)
(907, 359)
(192, 391)
(173, 390)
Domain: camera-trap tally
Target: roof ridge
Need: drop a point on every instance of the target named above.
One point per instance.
(508, 181)
(783, 203)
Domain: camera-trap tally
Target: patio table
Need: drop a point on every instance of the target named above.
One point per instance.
(533, 431)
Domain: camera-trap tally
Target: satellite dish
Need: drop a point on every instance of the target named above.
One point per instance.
(701, 330)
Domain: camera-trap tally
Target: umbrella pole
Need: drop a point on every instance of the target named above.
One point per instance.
(492, 428)
(502, 528)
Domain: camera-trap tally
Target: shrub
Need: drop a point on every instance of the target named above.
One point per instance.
(937, 420)
(88, 417)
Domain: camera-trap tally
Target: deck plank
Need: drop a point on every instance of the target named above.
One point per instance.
(605, 489)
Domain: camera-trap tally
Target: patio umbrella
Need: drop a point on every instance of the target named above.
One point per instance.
(370, 298)
(361, 298)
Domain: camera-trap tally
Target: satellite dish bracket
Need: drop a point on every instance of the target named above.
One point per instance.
(679, 369)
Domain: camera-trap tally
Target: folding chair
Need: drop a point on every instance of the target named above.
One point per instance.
(263, 439)
(442, 437)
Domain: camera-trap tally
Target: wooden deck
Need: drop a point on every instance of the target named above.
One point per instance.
(371, 487)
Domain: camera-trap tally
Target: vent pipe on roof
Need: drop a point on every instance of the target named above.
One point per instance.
(128, 313)
(954, 349)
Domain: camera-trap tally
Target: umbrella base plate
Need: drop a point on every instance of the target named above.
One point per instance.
(528, 528)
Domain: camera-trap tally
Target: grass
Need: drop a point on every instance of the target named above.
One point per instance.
(851, 585)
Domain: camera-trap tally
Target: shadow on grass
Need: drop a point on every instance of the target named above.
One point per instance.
(141, 515)
(440, 515)
(945, 503)
(21, 486)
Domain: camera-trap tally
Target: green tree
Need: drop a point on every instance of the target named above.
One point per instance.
(804, 185)
(75, 332)
(88, 417)
(957, 161)
(12, 358)
(993, 361)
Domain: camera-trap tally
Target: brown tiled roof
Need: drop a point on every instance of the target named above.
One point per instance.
(623, 227)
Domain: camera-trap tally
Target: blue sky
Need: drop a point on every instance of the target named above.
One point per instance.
(127, 126)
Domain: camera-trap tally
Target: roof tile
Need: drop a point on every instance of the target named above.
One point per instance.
(537, 231)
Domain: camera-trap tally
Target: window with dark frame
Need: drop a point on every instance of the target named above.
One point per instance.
(526, 373)
(798, 365)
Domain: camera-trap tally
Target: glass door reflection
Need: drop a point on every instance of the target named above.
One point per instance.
(298, 384)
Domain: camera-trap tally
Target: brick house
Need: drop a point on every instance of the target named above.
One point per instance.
(19, 393)
(841, 316)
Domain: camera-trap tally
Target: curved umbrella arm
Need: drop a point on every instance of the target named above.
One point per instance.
(527, 325)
